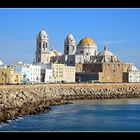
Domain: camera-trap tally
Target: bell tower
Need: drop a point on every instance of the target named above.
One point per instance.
(42, 46)
(69, 45)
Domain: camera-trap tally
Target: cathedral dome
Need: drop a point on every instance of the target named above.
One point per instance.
(105, 52)
(87, 41)
(42, 33)
(134, 68)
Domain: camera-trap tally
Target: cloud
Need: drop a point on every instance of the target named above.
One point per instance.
(112, 42)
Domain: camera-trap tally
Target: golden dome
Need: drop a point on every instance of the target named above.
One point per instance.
(87, 41)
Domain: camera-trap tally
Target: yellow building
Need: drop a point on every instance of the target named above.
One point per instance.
(9, 76)
(62, 73)
(57, 72)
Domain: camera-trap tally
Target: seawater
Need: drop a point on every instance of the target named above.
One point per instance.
(83, 115)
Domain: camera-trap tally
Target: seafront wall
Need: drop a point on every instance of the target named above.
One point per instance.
(20, 100)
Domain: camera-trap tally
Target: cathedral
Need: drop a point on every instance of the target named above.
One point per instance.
(89, 64)
(83, 52)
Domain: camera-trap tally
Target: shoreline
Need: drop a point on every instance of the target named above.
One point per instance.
(21, 100)
(108, 101)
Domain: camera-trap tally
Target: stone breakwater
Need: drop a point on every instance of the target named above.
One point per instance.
(20, 100)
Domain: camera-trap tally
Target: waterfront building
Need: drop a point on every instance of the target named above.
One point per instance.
(57, 72)
(106, 67)
(48, 75)
(34, 73)
(22, 68)
(69, 74)
(132, 76)
(46, 72)
(102, 71)
(9, 76)
(60, 73)
(29, 73)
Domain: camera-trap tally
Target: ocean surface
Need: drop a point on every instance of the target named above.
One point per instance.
(83, 115)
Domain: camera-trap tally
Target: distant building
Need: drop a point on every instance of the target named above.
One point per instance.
(46, 72)
(102, 71)
(57, 73)
(23, 69)
(62, 73)
(132, 76)
(48, 75)
(69, 74)
(34, 74)
(9, 76)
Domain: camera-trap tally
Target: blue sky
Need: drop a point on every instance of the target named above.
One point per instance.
(119, 27)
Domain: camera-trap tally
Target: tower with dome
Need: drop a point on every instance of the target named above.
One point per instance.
(43, 54)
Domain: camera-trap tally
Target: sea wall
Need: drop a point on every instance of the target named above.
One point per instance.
(20, 100)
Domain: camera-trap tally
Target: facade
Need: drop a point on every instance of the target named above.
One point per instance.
(25, 72)
(69, 74)
(34, 74)
(48, 76)
(132, 76)
(46, 72)
(29, 73)
(62, 73)
(102, 71)
(23, 69)
(57, 73)
(9, 76)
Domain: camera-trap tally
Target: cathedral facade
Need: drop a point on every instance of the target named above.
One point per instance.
(83, 52)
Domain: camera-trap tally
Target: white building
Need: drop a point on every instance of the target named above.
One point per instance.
(48, 76)
(134, 75)
(34, 74)
(46, 72)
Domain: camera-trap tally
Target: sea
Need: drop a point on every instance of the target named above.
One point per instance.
(106, 115)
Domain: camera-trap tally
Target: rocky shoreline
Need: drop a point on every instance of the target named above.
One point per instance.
(18, 101)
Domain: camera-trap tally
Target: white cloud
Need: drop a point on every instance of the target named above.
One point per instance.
(112, 42)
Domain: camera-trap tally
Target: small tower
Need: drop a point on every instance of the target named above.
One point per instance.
(41, 45)
(70, 45)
